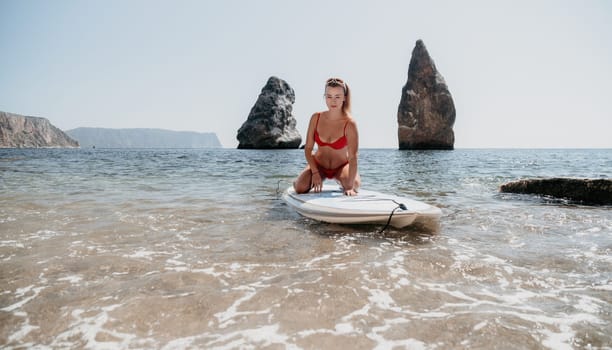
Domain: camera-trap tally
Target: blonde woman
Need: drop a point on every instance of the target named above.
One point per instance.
(335, 133)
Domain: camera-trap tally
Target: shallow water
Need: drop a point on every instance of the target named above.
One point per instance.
(194, 249)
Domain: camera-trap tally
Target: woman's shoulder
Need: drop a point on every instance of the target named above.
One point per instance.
(351, 124)
(315, 115)
(351, 121)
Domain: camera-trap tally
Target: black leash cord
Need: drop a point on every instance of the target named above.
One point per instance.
(399, 206)
(278, 189)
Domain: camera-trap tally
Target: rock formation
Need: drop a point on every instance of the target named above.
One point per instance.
(18, 131)
(587, 191)
(426, 112)
(270, 124)
(143, 138)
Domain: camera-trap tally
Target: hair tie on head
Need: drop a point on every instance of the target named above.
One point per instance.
(336, 82)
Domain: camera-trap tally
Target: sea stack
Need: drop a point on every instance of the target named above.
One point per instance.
(270, 124)
(426, 111)
(18, 131)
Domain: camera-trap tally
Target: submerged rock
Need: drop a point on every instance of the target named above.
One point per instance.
(270, 123)
(18, 131)
(426, 113)
(587, 191)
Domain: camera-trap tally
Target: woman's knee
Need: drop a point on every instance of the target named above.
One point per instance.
(301, 187)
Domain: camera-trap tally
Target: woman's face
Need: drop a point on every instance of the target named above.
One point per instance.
(334, 97)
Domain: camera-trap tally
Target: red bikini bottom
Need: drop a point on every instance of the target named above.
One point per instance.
(330, 173)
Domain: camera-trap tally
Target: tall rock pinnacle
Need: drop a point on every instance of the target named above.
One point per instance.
(426, 111)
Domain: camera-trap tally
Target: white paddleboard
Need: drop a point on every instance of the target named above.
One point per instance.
(367, 207)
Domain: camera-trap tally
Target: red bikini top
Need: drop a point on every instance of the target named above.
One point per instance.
(338, 144)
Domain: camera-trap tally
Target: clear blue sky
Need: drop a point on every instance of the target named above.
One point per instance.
(522, 73)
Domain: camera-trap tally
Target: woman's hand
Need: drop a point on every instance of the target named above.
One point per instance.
(350, 192)
(316, 183)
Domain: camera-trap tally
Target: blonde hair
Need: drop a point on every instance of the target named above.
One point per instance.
(333, 82)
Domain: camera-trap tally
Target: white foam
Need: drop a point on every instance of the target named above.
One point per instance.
(141, 254)
(8, 258)
(178, 295)
(364, 311)
(11, 243)
(225, 318)
(431, 314)
(344, 328)
(396, 265)
(558, 340)
(7, 219)
(382, 343)
(317, 259)
(178, 269)
(260, 337)
(503, 282)
(22, 332)
(88, 328)
(480, 325)
(403, 282)
(74, 279)
(43, 235)
(603, 287)
(589, 304)
(21, 292)
(382, 299)
(457, 294)
(209, 271)
(175, 262)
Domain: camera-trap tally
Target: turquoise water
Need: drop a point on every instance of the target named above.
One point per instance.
(194, 248)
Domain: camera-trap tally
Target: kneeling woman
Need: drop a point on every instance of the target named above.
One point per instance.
(335, 133)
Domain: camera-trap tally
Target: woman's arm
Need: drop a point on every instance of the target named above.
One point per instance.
(310, 143)
(352, 136)
(316, 181)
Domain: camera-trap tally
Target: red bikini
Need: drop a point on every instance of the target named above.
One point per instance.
(338, 144)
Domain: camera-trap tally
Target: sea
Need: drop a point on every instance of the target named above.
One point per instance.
(195, 249)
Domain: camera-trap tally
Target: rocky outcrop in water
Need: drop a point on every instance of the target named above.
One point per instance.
(143, 138)
(426, 113)
(18, 131)
(587, 191)
(270, 124)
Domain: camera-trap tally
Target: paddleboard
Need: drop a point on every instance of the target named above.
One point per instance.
(367, 207)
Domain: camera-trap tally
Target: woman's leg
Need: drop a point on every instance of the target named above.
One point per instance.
(303, 181)
(343, 175)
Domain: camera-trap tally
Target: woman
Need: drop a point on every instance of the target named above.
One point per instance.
(335, 133)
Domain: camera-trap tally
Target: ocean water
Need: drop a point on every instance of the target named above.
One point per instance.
(173, 249)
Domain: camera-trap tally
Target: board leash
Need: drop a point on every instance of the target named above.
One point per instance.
(278, 190)
(399, 206)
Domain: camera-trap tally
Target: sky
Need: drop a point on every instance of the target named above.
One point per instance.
(522, 74)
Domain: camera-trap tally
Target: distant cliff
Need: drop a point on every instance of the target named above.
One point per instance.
(143, 138)
(18, 131)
